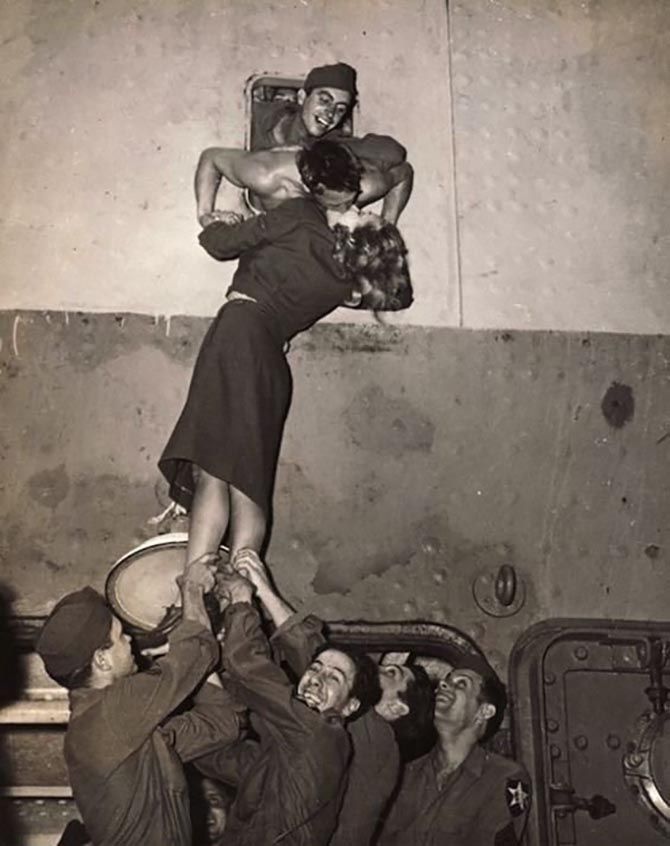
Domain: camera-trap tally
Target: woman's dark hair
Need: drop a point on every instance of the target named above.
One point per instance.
(82, 675)
(374, 257)
(327, 164)
(414, 732)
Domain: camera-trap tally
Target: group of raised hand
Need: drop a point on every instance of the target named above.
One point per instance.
(231, 581)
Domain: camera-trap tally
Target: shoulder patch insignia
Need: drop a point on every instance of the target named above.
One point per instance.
(517, 794)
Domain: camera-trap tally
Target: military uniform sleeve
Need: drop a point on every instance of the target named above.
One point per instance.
(296, 641)
(258, 682)
(134, 706)
(503, 817)
(228, 240)
(381, 150)
(373, 776)
(211, 722)
(229, 763)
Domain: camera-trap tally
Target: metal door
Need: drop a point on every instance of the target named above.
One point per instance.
(590, 724)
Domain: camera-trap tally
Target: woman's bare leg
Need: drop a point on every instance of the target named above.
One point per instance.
(247, 523)
(209, 515)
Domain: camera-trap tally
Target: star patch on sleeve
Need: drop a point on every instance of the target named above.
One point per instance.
(517, 794)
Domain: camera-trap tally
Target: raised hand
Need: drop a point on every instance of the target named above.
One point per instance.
(200, 572)
(228, 217)
(247, 563)
(232, 589)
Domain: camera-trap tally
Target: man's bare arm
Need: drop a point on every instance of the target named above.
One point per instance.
(248, 564)
(272, 175)
(215, 164)
(393, 185)
(398, 197)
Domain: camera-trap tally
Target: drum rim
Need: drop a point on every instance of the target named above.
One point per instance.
(171, 540)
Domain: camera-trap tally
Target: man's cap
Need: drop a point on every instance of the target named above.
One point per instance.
(476, 662)
(78, 625)
(340, 75)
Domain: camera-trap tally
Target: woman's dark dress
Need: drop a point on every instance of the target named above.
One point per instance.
(232, 422)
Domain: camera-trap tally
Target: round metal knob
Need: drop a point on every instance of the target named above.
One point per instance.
(505, 586)
(501, 593)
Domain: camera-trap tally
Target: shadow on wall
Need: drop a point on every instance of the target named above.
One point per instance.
(12, 682)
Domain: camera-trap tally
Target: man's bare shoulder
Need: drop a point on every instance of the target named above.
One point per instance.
(274, 174)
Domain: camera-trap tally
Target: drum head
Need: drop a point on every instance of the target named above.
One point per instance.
(141, 587)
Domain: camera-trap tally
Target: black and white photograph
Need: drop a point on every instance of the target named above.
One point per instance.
(335, 441)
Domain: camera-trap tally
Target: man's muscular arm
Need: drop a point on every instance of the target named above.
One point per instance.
(393, 185)
(397, 198)
(271, 175)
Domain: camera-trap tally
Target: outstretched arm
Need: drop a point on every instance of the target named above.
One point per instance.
(296, 636)
(393, 185)
(271, 175)
(215, 164)
(397, 198)
(248, 564)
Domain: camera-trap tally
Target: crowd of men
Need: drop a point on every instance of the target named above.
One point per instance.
(254, 729)
(351, 752)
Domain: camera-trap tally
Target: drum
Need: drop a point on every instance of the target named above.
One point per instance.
(141, 587)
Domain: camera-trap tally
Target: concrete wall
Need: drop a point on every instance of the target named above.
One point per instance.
(110, 104)
(560, 178)
(398, 485)
(419, 455)
(561, 115)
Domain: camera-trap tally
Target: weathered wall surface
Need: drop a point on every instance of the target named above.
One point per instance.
(108, 106)
(398, 485)
(561, 115)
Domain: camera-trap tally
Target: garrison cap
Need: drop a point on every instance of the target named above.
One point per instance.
(78, 625)
(340, 75)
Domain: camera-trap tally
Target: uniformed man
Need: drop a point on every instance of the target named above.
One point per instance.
(326, 98)
(398, 724)
(290, 782)
(459, 793)
(124, 748)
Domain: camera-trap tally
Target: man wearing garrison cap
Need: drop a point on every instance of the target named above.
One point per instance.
(326, 99)
(124, 746)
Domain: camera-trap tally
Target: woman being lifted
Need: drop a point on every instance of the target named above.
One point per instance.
(297, 263)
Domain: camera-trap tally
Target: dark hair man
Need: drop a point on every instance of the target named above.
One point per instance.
(460, 793)
(397, 726)
(123, 749)
(326, 98)
(210, 804)
(272, 176)
(290, 782)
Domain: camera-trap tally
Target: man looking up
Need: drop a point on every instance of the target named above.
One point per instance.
(398, 725)
(123, 749)
(459, 793)
(290, 782)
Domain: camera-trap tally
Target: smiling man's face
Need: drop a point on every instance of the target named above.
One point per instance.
(457, 700)
(324, 109)
(326, 684)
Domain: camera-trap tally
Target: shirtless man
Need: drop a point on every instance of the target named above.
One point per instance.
(272, 176)
(324, 102)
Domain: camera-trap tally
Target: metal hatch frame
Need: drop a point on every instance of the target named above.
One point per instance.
(528, 716)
